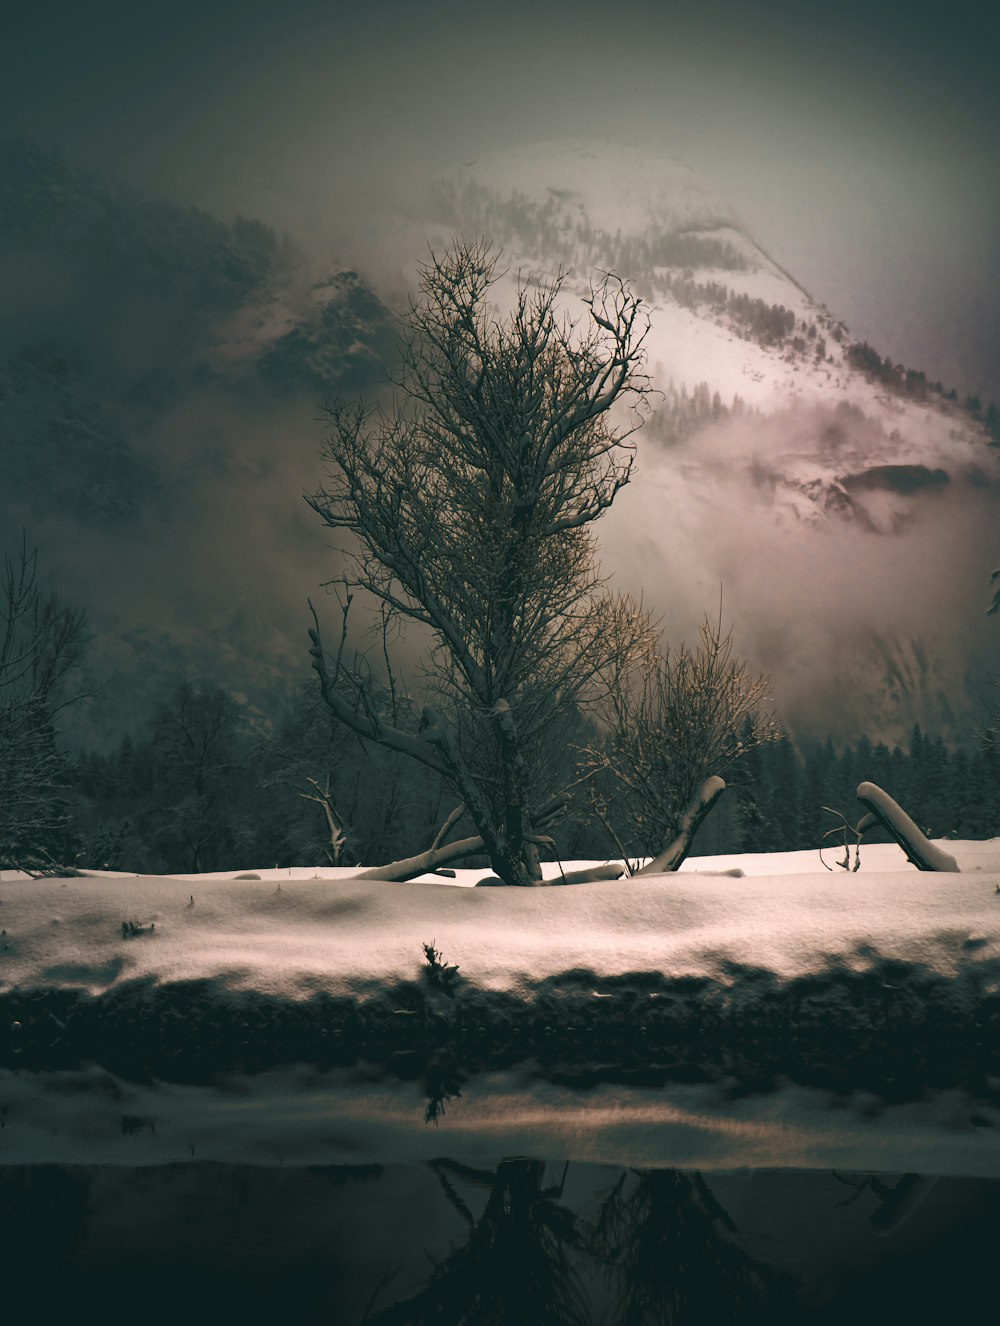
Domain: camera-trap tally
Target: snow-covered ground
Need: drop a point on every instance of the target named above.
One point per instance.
(782, 1016)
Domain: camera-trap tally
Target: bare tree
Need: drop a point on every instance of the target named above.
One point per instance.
(336, 824)
(42, 643)
(988, 731)
(195, 731)
(675, 720)
(468, 508)
(198, 734)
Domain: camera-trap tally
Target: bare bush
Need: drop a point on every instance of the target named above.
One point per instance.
(674, 718)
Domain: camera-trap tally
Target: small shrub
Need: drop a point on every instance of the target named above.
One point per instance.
(441, 974)
(132, 928)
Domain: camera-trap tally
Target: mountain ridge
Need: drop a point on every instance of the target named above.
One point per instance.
(779, 438)
(843, 502)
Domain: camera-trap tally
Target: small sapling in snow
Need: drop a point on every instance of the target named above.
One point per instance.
(132, 928)
(441, 974)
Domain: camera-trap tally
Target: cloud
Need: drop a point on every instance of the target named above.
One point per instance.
(866, 623)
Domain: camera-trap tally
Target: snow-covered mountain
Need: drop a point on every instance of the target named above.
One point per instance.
(728, 323)
(161, 374)
(846, 505)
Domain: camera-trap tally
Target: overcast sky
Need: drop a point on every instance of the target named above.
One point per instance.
(858, 141)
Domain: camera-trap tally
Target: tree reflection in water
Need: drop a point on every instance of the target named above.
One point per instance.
(515, 1267)
(663, 1240)
(660, 1241)
(896, 1201)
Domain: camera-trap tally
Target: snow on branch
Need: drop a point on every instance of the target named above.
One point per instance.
(424, 862)
(918, 848)
(671, 858)
(590, 874)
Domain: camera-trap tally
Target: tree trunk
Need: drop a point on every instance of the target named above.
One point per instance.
(522, 865)
(508, 844)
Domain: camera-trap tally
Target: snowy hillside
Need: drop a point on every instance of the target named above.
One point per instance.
(586, 206)
(784, 1015)
(161, 374)
(844, 503)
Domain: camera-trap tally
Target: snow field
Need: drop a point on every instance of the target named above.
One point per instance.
(787, 1016)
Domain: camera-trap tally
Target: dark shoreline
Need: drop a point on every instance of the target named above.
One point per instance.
(895, 1030)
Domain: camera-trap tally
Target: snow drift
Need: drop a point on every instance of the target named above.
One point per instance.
(609, 1001)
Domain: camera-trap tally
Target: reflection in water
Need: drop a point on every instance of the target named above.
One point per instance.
(665, 1240)
(514, 1265)
(896, 1199)
(523, 1242)
(44, 1214)
(659, 1242)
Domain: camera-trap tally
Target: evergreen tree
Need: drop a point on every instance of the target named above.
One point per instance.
(787, 796)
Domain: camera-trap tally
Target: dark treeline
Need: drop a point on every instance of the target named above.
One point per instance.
(542, 228)
(782, 790)
(201, 788)
(681, 414)
(644, 254)
(767, 324)
(913, 383)
(777, 326)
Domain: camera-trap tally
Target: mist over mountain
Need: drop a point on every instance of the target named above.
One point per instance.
(845, 506)
(161, 374)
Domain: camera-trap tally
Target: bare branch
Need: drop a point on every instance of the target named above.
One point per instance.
(673, 718)
(364, 725)
(447, 826)
(467, 508)
(424, 862)
(322, 796)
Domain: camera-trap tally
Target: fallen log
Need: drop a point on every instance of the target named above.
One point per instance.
(589, 875)
(918, 847)
(424, 862)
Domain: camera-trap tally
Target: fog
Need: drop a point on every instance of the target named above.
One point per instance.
(857, 146)
(210, 578)
(870, 618)
(858, 141)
